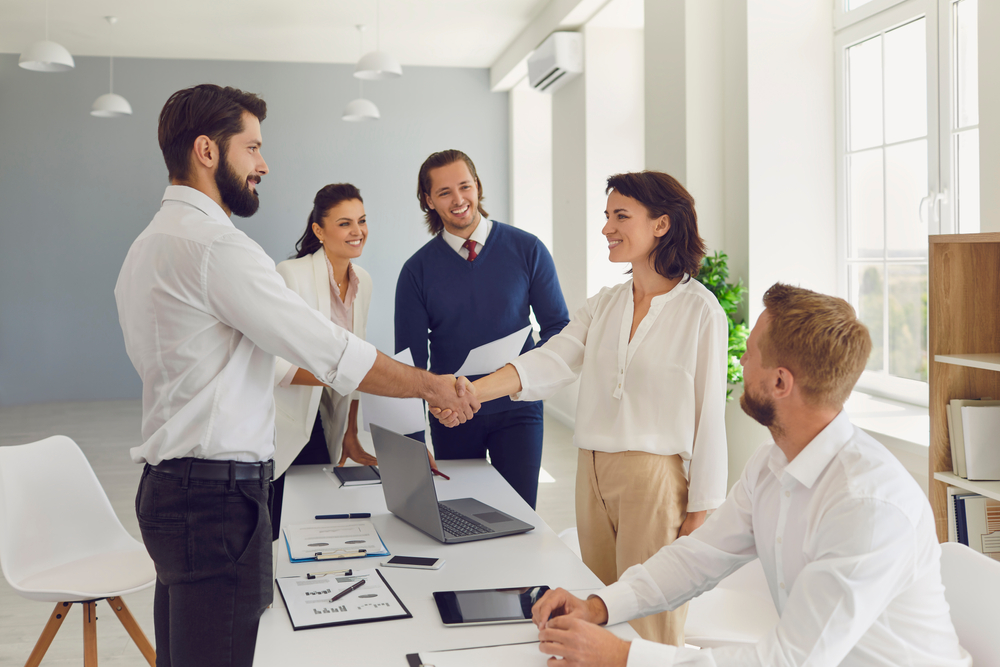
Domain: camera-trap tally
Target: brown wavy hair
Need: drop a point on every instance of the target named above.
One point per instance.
(443, 159)
(681, 249)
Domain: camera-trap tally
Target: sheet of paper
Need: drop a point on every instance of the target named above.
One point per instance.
(332, 536)
(308, 600)
(523, 655)
(493, 356)
(402, 415)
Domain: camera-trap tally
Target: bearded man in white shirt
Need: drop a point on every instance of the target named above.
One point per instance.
(844, 533)
(204, 314)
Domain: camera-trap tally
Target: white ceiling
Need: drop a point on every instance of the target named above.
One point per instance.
(463, 33)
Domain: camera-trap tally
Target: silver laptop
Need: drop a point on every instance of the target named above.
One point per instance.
(409, 491)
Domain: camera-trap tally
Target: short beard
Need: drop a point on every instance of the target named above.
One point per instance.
(761, 410)
(235, 193)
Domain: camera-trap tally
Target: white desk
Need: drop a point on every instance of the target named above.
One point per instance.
(537, 557)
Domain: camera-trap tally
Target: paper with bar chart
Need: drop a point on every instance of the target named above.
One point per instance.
(310, 602)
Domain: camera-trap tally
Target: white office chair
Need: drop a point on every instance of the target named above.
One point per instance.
(739, 611)
(972, 587)
(60, 541)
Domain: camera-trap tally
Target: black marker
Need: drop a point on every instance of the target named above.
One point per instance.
(356, 515)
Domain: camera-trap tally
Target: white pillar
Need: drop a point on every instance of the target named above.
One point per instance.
(989, 116)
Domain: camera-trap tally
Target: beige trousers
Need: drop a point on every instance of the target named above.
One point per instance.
(628, 506)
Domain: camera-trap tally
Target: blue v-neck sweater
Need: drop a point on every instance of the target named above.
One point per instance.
(456, 305)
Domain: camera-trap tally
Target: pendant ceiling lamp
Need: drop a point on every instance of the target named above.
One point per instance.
(360, 109)
(378, 64)
(46, 56)
(110, 105)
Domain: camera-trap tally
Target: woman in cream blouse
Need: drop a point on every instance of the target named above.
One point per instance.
(313, 423)
(651, 357)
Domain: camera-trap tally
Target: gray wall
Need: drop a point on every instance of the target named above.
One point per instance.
(76, 190)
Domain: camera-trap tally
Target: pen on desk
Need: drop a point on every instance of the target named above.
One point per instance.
(313, 575)
(439, 473)
(333, 555)
(355, 515)
(344, 592)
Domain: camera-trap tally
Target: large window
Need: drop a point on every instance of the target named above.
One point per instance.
(908, 167)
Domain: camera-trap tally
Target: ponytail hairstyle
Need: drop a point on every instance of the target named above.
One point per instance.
(681, 249)
(328, 197)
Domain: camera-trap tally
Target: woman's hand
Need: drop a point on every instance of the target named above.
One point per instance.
(354, 451)
(693, 521)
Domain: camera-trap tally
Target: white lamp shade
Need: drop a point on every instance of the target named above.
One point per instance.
(361, 109)
(46, 56)
(378, 65)
(110, 105)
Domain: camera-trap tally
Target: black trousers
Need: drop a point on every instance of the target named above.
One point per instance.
(315, 452)
(210, 543)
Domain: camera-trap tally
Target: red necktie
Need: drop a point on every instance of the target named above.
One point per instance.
(470, 245)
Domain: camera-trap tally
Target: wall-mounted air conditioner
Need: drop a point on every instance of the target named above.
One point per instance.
(557, 60)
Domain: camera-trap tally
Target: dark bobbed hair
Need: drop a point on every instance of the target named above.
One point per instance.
(443, 159)
(327, 197)
(681, 249)
(206, 109)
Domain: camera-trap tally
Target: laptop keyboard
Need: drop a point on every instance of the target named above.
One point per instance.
(458, 525)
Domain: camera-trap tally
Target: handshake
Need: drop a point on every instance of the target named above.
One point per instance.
(454, 401)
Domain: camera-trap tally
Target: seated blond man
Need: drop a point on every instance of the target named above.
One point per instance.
(845, 535)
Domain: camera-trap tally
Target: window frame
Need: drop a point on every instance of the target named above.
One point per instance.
(877, 18)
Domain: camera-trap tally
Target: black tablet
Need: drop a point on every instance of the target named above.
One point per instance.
(488, 606)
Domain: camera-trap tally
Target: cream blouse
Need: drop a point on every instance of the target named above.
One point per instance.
(663, 393)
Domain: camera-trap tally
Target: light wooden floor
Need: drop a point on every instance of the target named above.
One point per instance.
(105, 431)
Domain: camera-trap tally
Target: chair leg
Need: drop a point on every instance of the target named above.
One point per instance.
(89, 634)
(48, 634)
(134, 630)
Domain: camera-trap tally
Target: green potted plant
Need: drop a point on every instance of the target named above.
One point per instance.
(714, 274)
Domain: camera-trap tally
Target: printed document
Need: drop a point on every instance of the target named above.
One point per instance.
(332, 536)
(494, 356)
(310, 602)
(402, 415)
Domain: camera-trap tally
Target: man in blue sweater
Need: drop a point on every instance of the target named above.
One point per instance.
(473, 283)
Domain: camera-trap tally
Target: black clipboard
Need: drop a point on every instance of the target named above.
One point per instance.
(356, 621)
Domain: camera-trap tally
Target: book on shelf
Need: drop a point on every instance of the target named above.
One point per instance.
(980, 428)
(981, 518)
(956, 432)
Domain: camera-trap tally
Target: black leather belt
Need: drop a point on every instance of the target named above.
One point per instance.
(218, 471)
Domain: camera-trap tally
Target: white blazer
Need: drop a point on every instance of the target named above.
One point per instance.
(296, 405)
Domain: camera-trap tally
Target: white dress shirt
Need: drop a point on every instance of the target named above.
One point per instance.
(479, 235)
(663, 393)
(848, 546)
(204, 313)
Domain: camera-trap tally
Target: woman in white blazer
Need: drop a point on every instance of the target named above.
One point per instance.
(313, 423)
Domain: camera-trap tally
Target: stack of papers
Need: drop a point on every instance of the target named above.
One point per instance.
(333, 539)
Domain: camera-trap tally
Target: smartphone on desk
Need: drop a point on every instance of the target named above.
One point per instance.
(414, 562)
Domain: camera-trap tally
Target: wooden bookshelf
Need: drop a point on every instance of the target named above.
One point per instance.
(964, 347)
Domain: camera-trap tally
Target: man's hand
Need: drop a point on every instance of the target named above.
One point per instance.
(430, 459)
(354, 451)
(560, 602)
(454, 413)
(692, 522)
(581, 644)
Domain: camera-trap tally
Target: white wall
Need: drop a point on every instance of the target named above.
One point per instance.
(614, 98)
(790, 146)
(531, 161)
